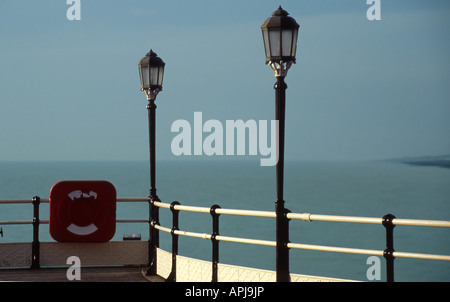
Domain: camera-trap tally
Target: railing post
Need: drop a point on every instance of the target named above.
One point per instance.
(215, 242)
(175, 227)
(389, 251)
(35, 246)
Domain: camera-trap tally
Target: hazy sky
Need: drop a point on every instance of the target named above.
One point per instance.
(69, 90)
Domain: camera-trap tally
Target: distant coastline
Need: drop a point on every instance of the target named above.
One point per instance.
(442, 161)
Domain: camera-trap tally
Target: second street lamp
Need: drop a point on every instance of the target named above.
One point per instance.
(151, 74)
(280, 41)
(280, 44)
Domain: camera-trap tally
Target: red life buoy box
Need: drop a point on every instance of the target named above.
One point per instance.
(82, 211)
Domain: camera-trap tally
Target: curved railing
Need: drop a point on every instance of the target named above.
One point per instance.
(388, 221)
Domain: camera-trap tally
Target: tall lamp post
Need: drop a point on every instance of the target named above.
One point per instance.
(151, 73)
(280, 44)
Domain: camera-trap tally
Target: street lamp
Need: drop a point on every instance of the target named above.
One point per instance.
(280, 41)
(151, 73)
(280, 44)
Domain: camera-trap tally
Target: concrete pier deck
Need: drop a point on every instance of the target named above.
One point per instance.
(88, 274)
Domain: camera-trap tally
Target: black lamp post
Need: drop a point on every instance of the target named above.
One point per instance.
(151, 73)
(280, 44)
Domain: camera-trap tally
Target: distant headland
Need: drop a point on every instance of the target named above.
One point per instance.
(442, 161)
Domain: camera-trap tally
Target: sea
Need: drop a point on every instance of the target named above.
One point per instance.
(348, 188)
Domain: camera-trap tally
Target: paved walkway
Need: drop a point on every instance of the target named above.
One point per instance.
(88, 274)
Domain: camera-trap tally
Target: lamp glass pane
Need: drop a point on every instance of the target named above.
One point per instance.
(294, 42)
(160, 75)
(144, 76)
(286, 41)
(154, 75)
(266, 42)
(274, 36)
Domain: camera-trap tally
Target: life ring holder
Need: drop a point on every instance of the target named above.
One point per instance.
(82, 211)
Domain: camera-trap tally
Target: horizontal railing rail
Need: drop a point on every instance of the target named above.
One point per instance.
(254, 213)
(22, 201)
(388, 221)
(43, 200)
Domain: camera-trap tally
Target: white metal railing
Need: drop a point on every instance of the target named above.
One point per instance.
(269, 214)
(308, 217)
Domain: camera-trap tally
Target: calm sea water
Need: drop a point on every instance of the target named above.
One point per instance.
(370, 189)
